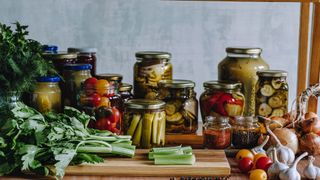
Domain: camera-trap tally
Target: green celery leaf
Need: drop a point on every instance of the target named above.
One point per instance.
(63, 158)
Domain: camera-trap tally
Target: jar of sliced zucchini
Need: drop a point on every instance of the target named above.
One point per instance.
(272, 93)
(145, 121)
(181, 106)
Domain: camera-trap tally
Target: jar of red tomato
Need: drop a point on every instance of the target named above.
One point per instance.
(100, 99)
(216, 133)
(222, 98)
(87, 56)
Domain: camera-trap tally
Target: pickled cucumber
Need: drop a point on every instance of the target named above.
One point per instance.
(267, 90)
(137, 135)
(170, 108)
(147, 130)
(275, 101)
(134, 123)
(264, 110)
(175, 117)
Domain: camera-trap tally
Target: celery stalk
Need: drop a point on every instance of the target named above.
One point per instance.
(137, 135)
(168, 152)
(181, 159)
(134, 123)
(146, 130)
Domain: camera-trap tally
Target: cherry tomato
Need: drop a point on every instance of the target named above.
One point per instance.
(258, 174)
(245, 164)
(102, 86)
(115, 115)
(263, 163)
(104, 102)
(95, 99)
(89, 85)
(244, 153)
(257, 156)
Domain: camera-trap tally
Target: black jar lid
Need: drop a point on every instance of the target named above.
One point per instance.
(227, 85)
(244, 50)
(147, 55)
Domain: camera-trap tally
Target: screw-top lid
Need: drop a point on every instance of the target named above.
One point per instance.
(147, 55)
(50, 48)
(77, 67)
(125, 87)
(220, 119)
(246, 119)
(48, 79)
(244, 50)
(144, 104)
(82, 50)
(227, 85)
(59, 55)
(110, 77)
(176, 83)
(272, 73)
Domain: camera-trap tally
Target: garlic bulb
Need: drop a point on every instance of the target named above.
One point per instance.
(275, 169)
(311, 171)
(259, 149)
(292, 173)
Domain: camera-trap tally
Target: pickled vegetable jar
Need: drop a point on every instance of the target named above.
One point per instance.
(114, 79)
(216, 133)
(125, 91)
(47, 94)
(181, 105)
(241, 64)
(60, 59)
(145, 121)
(86, 56)
(99, 98)
(246, 132)
(222, 98)
(150, 68)
(272, 93)
(74, 75)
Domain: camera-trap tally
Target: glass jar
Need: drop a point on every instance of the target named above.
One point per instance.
(125, 91)
(181, 105)
(145, 121)
(60, 59)
(74, 76)
(47, 94)
(86, 56)
(245, 133)
(272, 93)
(100, 99)
(8, 100)
(216, 133)
(242, 64)
(150, 68)
(114, 79)
(222, 98)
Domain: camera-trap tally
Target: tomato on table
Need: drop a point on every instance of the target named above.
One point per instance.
(245, 164)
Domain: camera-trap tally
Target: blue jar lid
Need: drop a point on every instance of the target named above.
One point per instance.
(50, 48)
(49, 79)
(77, 67)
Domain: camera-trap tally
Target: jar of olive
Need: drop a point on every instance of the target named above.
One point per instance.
(145, 121)
(150, 68)
(181, 105)
(246, 132)
(242, 64)
(272, 93)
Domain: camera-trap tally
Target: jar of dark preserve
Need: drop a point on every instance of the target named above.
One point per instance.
(86, 56)
(60, 59)
(125, 91)
(216, 132)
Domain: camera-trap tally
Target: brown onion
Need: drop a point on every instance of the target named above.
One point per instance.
(310, 143)
(311, 125)
(287, 138)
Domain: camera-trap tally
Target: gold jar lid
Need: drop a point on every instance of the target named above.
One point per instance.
(176, 83)
(244, 50)
(147, 55)
(272, 73)
(144, 104)
(110, 77)
(226, 85)
(59, 55)
(125, 87)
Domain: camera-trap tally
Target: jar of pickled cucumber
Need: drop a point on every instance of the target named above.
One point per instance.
(145, 121)
(60, 59)
(47, 95)
(181, 105)
(74, 76)
(216, 133)
(222, 98)
(241, 64)
(246, 132)
(150, 68)
(125, 91)
(272, 93)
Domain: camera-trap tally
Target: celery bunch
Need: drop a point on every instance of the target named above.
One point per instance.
(172, 156)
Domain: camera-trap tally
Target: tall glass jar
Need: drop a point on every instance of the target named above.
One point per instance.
(145, 121)
(246, 132)
(86, 56)
(181, 105)
(242, 64)
(47, 94)
(272, 93)
(125, 91)
(216, 133)
(60, 59)
(222, 98)
(74, 76)
(150, 68)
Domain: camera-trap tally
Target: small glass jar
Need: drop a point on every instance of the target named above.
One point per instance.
(74, 76)
(86, 56)
(114, 79)
(272, 93)
(181, 106)
(222, 98)
(60, 59)
(150, 68)
(47, 94)
(246, 132)
(216, 133)
(145, 121)
(125, 91)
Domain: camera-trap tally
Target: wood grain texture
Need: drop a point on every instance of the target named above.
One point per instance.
(315, 55)
(193, 140)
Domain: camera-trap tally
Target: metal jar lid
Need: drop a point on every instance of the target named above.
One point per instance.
(60, 55)
(227, 85)
(82, 50)
(272, 73)
(147, 55)
(125, 87)
(144, 104)
(176, 83)
(244, 50)
(110, 77)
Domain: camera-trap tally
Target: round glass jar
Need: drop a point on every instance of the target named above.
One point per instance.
(125, 91)
(242, 64)
(60, 59)
(216, 133)
(86, 56)
(222, 98)
(150, 68)
(114, 79)
(245, 133)
(181, 105)
(47, 94)
(272, 93)
(74, 76)
(145, 121)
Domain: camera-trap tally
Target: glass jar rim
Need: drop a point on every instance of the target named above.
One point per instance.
(125, 87)
(272, 73)
(150, 55)
(227, 85)
(144, 104)
(244, 50)
(110, 77)
(176, 83)
(60, 55)
(246, 119)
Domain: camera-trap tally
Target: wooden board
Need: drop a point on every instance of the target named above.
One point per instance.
(209, 163)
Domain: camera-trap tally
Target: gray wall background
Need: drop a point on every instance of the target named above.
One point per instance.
(196, 33)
